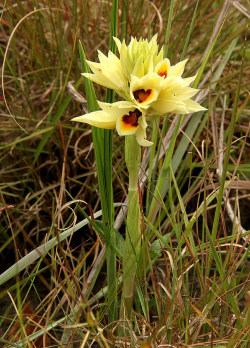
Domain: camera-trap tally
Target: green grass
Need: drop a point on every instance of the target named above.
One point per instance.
(56, 199)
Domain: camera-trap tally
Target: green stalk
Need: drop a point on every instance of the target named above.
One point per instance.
(102, 140)
(170, 16)
(108, 211)
(124, 19)
(109, 219)
(133, 231)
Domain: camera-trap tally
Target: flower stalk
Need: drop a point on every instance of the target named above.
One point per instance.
(133, 230)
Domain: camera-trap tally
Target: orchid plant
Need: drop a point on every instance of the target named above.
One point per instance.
(150, 87)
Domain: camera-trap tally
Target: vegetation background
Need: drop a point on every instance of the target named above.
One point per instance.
(194, 289)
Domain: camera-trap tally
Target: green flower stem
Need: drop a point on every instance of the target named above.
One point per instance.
(109, 218)
(133, 231)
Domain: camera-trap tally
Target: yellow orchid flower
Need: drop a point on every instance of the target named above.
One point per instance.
(174, 97)
(108, 73)
(158, 94)
(149, 84)
(145, 90)
(123, 115)
(163, 68)
(139, 57)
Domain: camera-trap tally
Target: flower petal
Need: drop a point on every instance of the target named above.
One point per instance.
(188, 80)
(99, 119)
(107, 117)
(141, 133)
(168, 104)
(139, 67)
(95, 67)
(159, 57)
(192, 106)
(177, 70)
(170, 84)
(108, 72)
(126, 60)
(102, 80)
(118, 43)
(116, 108)
(184, 92)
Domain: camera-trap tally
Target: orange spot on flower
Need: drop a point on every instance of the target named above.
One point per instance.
(163, 73)
(141, 95)
(130, 121)
(163, 70)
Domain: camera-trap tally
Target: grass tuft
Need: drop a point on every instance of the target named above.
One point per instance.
(193, 287)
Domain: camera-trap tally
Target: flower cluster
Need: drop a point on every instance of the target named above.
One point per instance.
(150, 86)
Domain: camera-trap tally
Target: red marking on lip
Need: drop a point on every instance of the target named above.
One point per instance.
(141, 95)
(130, 121)
(163, 72)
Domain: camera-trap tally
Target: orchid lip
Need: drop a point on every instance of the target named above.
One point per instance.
(130, 120)
(162, 73)
(141, 95)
